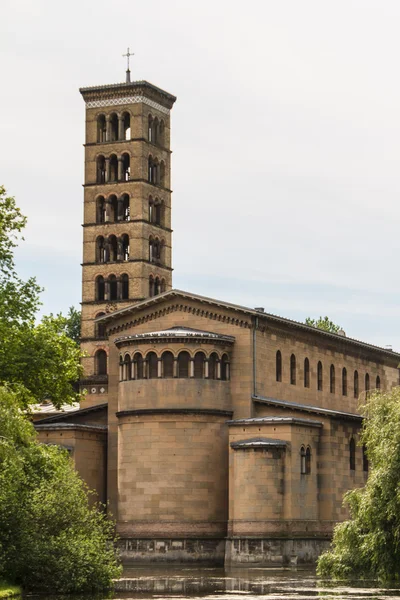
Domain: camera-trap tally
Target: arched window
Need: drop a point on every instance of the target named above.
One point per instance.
(113, 127)
(355, 384)
(352, 454)
(168, 364)
(100, 359)
(151, 174)
(124, 287)
(162, 174)
(278, 366)
(158, 212)
(138, 365)
(126, 368)
(113, 287)
(212, 366)
(101, 255)
(224, 367)
(152, 365)
(303, 461)
(126, 125)
(100, 328)
(183, 364)
(101, 129)
(367, 382)
(123, 211)
(378, 382)
(101, 169)
(293, 370)
(124, 247)
(332, 379)
(365, 459)
(319, 377)
(126, 167)
(100, 288)
(308, 460)
(150, 129)
(113, 166)
(344, 381)
(151, 286)
(101, 213)
(199, 360)
(157, 286)
(306, 373)
(155, 130)
(112, 249)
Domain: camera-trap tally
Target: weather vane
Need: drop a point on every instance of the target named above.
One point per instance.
(128, 71)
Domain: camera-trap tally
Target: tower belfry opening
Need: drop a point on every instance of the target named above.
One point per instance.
(127, 209)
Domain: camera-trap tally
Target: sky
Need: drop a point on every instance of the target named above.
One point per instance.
(285, 139)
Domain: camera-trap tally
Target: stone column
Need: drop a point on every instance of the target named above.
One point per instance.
(206, 371)
(191, 367)
(133, 369)
(120, 252)
(108, 128)
(106, 290)
(120, 167)
(145, 368)
(218, 369)
(120, 128)
(121, 371)
(107, 169)
(159, 367)
(120, 209)
(119, 288)
(124, 372)
(175, 367)
(107, 217)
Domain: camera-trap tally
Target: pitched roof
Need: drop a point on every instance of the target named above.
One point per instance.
(251, 312)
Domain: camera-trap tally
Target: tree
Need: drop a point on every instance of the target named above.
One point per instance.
(368, 543)
(41, 361)
(73, 324)
(323, 323)
(50, 538)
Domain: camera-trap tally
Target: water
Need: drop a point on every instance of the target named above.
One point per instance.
(156, 583)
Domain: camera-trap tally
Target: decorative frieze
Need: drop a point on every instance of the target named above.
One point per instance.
(127, 100)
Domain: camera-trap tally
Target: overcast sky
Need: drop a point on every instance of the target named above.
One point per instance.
(285, 138)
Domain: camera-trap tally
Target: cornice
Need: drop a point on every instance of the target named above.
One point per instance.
(174, 411)
(128, 93)
(119, 183)
(108, 223)
(140, 139)
(127, 262)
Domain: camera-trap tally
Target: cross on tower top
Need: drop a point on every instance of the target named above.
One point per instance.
(128, 71)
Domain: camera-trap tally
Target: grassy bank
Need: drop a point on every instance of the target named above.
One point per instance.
(7, 590)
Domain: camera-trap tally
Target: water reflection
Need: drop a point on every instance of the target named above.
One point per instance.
(156, 583)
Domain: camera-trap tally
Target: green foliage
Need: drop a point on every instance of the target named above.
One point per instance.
(73, 324)
(7, 590)
(41, 362)
(323, 323)
(50, 538)
(369, 543)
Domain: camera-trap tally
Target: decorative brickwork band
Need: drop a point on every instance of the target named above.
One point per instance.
(127, 100)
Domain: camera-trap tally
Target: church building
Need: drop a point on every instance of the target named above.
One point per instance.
(216, 433)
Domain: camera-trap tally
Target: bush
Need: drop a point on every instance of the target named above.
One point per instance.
(51, 539)
(368, 545)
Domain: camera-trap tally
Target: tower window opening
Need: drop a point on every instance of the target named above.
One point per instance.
(157, 286)
(113, 127)
(152, 365)
(113, 287)
(308, 460)
(293, 370)
(126, 119)
(168, 364)
(101, 362)
(150, 129)
(124, 287)
(319, 377)
(306, 373)
(101, 169)
(113, 208)
(278, 366)
(126, 167)
(332, 380)
(138, 365)
(183, 364)
(113, 166)
(127, 373)
(112, 248)
(356, 384)
(366, 383)
(126, 210)
(100, 288)
(101, 129)
(101, 254)
(101, 213)
(124, 247)
(302, 461)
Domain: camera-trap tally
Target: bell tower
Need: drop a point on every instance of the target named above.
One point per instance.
(127, 211)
